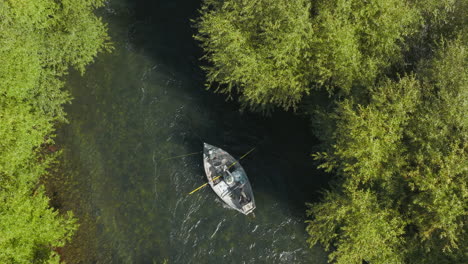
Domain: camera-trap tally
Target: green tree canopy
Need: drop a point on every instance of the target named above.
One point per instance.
(401, 158)
(39, 41)
(261, 48)
(275, 52)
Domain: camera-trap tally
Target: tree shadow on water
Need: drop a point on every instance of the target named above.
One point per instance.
(164, 30)
(281, 165)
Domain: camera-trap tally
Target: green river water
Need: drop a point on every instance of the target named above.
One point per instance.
(145, 102)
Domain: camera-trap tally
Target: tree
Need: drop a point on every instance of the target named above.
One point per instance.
(440, 20)
(260, 48)
(30, 228)
(275, 52)
(357, 41)
(39, 41)
(359, 228)
(401, 159)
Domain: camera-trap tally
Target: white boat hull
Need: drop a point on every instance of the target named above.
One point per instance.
(228, 179)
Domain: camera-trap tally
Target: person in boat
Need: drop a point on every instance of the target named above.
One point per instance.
(243, 199)
(224, 162)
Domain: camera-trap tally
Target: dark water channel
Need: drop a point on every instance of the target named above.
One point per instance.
(146, 102)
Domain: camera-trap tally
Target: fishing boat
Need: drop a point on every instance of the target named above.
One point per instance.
(228, 179)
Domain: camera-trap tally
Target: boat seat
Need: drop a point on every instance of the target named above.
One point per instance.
(228, 191)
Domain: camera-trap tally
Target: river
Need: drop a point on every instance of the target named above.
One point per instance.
(146, 102)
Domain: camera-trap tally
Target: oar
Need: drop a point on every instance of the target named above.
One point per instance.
(241, 158)
(185, 155)
(203, 185)
(217, 177)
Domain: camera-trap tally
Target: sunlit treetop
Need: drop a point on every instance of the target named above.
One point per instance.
(40, 41)
(275, 52)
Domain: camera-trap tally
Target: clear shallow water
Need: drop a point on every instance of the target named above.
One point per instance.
(146, 102)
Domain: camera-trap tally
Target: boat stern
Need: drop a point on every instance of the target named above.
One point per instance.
(248, 208)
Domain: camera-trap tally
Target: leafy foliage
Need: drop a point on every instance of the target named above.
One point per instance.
(355, 41)
(407, 148)
(360, 228)
(30, 228)
(275, 52)
(260, 48)
(39, 41)
(441, 20)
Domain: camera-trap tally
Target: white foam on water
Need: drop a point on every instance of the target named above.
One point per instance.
(217, 228)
